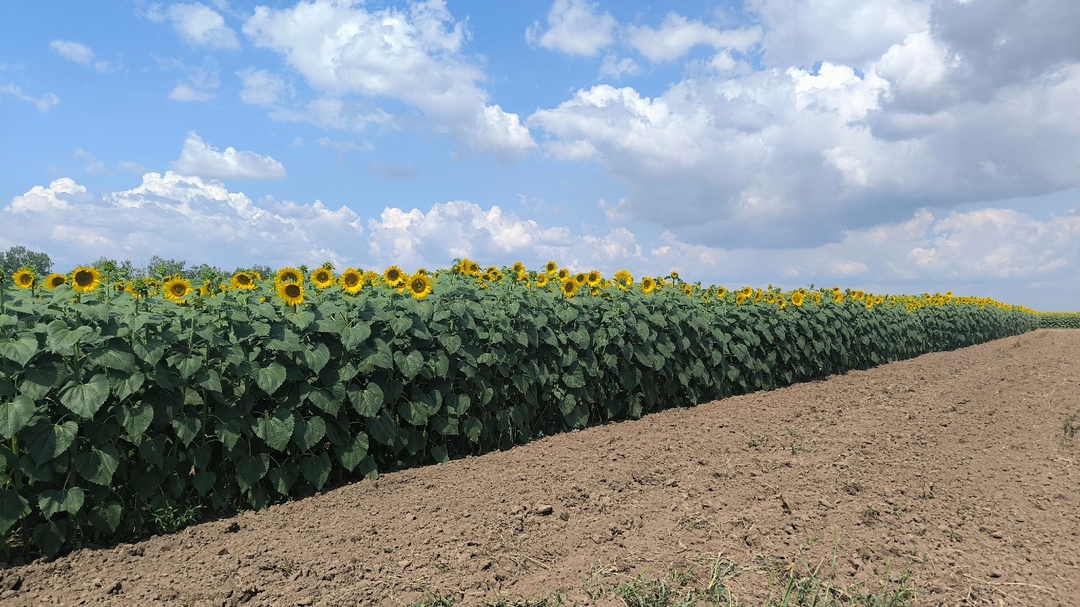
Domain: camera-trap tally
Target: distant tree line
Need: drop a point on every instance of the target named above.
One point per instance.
(19, 257)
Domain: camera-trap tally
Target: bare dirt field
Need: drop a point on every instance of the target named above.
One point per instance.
(958, 467)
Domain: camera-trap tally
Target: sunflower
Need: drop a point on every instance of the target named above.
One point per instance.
(648, 285)
(721, 292)
(569, 287)
(393, 276)
(797, 299)
(542, 280)
(563, 275)
(420, 286)
(581, 278)
(289, 275)
(688, 289)
(322, 277)
(291, 293)
(740, 299)
(551, 267)
(177, 290)
(55, 280)
(838, 296)
(746, 291)
(624, 280)
(85, 280)
(243, 281)
(352, 281)
(593, 278)
(24, 279)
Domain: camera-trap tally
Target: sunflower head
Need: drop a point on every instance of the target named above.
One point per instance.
(289, 275)
(551, 267)
(322, 277)
(797, 299)
(243, 281)
(563, 275)
(593, 278)
(569, 287)
(688, 289)
(741, 298)
(55, 280)
(420, 286)
(24, 279)
(85, 280)
(580, 278)
(291, 293)
(352, 281)
(177, 290)
(623, 279)
(838, 296)
(393, 276)
(542, 280)
(648, 285)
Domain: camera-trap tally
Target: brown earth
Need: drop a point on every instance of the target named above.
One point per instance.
(956, 466)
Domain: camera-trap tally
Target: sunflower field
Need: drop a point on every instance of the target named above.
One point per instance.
(135, 407)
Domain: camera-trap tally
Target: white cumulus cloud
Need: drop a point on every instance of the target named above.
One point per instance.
(260, 86)
(200, 159)
(200, 25)
(574, 27)
(413, 55)
(677, 35)
(44, 103)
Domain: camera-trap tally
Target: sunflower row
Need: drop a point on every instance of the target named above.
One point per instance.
(292, 286)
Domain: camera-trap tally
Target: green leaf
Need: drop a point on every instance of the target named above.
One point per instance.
(400, 325)
(113, 359)
(383, 429)
(99, 465)
(85, 399)
(367, 402)
(150, 352)
(228, 431)
(45, 441)
(579, 417)
(308, 433)
(438, 452)
(128, 385)
(50, 536)
(472, 428)
(317, 357)
(135, 419)
(283, 477)
(411, 365)
(106, 517)
(38, 380)
(13, 507)
(416, 413)
(204, 481)
(354, 335)
(186, 428)
(270, 377)
(316, 469)
(15, 414)
(19, 351)
(68, 500)
(356, 451)
(276, 429)
(250, 469)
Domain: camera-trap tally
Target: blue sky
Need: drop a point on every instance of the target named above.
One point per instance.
(897, 146)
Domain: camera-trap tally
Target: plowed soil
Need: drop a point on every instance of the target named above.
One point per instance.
(957, 466)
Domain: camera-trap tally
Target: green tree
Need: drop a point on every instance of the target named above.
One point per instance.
(19, 257)
(163, 268)
(113, 270)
